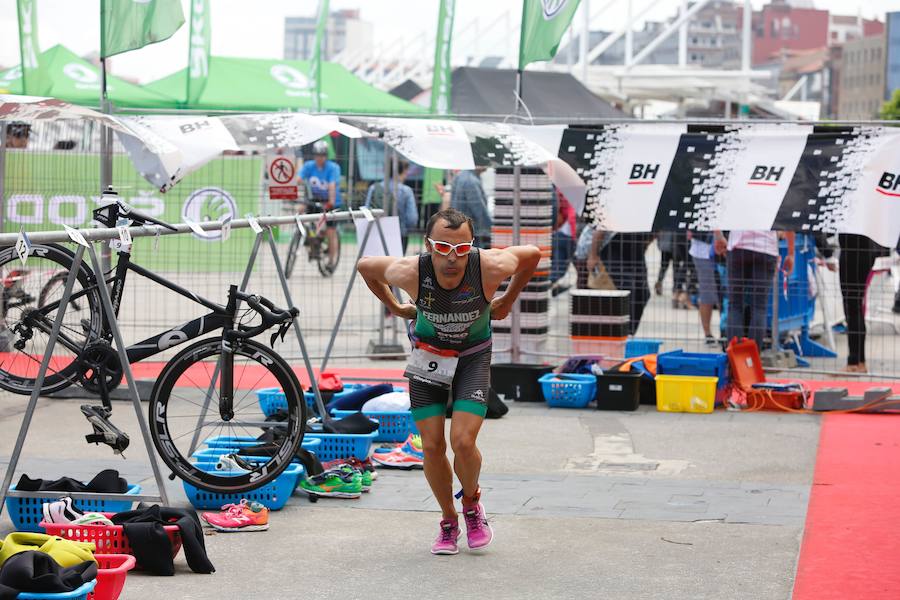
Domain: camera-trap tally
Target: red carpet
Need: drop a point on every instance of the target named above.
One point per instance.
(851, 545)
(256, 376)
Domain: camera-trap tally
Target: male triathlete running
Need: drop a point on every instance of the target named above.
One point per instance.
(324, 179)
(452, 287)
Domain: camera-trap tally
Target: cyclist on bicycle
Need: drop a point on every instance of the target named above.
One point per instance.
(323, 178)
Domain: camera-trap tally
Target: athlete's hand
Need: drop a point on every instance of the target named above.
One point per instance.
(405, 311)
(500, 307)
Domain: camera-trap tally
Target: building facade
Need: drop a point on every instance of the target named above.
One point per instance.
(862, 76)
(344, 31)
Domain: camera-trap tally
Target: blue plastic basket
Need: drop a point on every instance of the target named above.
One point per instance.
(272, 399)
(273, 495)
(220, 446)
(26, 514)
(392, 426)
(568, 390)
(76, 594)
(639, 347)
(344, 445)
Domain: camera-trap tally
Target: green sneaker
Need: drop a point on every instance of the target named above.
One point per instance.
(334, 484)
(365, 476)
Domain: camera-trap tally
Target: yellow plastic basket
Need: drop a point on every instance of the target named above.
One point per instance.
(685, 393)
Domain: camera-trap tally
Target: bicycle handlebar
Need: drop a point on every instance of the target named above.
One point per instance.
(142, 218)
(271, 314)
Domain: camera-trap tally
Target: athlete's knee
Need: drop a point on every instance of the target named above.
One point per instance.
(462, 442)
(434, 447)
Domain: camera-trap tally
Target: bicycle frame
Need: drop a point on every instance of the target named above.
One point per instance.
(218, 318)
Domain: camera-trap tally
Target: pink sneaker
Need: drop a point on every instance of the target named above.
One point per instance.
(446, 542)
(478, 531)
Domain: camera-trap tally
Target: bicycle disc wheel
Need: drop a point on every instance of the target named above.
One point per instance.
(326, 267)
(30, 302)
(291, 259)
(178, 421)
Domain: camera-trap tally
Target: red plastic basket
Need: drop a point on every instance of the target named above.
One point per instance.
(109, 539)
(112, 570)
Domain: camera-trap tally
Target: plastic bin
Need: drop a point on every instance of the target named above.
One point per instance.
(518, 382)
(273, 495)
(220, 447)
(392, 426)
(712, 364)
(619, 391)
(77, 594)
(272, 399)
(568, 390)
(639, 347)
(344, 445)
(112, 570)
(685, 393)
(109, 539)
(26, 514)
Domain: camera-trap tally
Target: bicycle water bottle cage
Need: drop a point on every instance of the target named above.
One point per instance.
(104, 431)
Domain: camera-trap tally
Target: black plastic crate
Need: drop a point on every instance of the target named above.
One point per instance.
(618, 391)
(518, 382)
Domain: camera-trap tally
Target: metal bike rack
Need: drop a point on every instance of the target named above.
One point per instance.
(90, 236)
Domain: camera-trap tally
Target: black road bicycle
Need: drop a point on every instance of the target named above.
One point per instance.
(206, 390)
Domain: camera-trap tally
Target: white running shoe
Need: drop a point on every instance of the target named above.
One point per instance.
(61, 511)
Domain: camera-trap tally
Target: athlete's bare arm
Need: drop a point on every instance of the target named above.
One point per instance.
(518, 262)
(382, 272)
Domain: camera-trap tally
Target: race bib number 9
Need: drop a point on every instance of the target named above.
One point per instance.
(431, 366)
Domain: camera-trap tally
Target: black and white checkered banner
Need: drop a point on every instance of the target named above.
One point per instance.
(628, 177)
(655, 177)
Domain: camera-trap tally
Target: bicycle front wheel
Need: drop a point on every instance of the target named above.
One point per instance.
(184, 414)
(326, 267)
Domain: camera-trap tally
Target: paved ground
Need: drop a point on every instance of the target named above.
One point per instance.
(584, 504)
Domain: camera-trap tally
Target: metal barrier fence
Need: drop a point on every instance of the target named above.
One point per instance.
(54, 178)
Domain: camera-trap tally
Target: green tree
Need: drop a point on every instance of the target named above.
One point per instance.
(890, 110)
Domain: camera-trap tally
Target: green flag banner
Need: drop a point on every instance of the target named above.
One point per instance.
(131, 24)
(440, 82)
(198, 50)
(429, 194)
(315, 63)
(543, 25)
(29, 52)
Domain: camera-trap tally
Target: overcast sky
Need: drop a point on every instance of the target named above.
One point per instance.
(239, 30)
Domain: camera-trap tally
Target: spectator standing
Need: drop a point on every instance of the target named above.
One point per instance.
(467, 196)
(857, 257)
(402, 195)
(701, 253)
(752, 257)
(563, 244)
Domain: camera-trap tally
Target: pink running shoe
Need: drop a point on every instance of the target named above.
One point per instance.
(446, 542)
(478, 532)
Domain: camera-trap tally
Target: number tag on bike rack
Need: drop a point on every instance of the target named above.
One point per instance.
(75, 236)
(254, 224)
(195, 227)
(23, 246)
(226, 228)
(367, 214)
(300, 229)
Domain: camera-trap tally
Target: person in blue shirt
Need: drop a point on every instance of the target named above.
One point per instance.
(467, 196)
(322, 178)
(405, 200)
